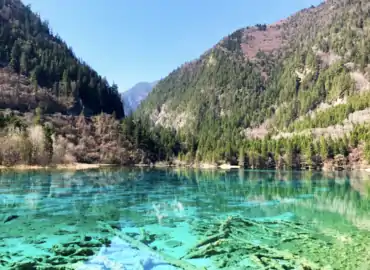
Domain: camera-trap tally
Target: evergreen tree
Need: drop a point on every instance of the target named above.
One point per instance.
(137, 133)
(241, 157)
(289, 154)
(324, 152)
(367, 151)
(264, 150)
(309, 153)
(354, 138)
(66, 83)
(48, 141)
(24, 63)
(343, 150)
(37, 118)
(15, 57)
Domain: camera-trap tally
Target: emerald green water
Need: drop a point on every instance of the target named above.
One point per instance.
(263, 219)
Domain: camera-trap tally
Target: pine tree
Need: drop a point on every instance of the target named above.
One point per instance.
(289, 154)
(331, 147)
(309, 153)
(336, 148)
(34, 78)
(324, 152)
(37, 118)
(24, 64)
(354, 138)
(228, 152)
(48, 144)
(66, 83)
(56, 89)
(15, 57)
(241, 157)
(367, 151)
(74, 90)
(264, 152)
(252, 162)
(343, 150)
(137, 133)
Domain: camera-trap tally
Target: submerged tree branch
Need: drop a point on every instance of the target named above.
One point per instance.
(169, 259)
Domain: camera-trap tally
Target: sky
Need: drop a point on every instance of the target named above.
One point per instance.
(130, 41)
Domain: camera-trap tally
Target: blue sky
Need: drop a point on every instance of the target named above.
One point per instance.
(129, 41)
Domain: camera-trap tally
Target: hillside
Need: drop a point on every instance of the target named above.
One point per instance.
(132, 98)
(44, 62)
(267, 95)
(54, 108)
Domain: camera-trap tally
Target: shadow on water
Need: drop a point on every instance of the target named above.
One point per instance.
(58, 215)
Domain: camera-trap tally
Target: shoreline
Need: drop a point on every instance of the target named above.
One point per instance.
(226, 166)
(87, 166)
(72, 166)
(205, 166)
(202, 166)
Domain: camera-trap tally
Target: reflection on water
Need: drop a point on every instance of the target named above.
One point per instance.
(57, 214)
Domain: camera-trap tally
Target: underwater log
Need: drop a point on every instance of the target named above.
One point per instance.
(169, 259)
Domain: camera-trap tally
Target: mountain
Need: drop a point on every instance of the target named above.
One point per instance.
(54, 107)
(46, 66)
(134, 96)
(251, 95)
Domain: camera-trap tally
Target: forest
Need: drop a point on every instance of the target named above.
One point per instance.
(205, 110)
(54, 107)
(223, 93)
(29, 48)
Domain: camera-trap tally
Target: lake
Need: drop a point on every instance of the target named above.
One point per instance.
(184, 219)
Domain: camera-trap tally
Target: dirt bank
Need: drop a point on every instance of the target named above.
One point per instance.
(72, 166)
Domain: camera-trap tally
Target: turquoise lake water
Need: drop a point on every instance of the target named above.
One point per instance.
(184, 219)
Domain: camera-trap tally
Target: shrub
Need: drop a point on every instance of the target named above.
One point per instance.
(62, 151)
(10, 150)
(37, 139)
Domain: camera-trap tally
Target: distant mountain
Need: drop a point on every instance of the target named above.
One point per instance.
(134, 96)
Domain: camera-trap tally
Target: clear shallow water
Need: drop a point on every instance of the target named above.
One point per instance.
(252, 219)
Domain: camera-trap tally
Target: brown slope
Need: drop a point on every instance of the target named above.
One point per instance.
(284, 34)
(298, 29)
(18, 93)
(257, 40)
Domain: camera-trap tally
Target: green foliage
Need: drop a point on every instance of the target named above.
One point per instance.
(220, 94)
(223, 94)
(28, 47)
(241, 158)
(333, 115)
(367, 151)
(37, 117)
(12, 120)
(308, 153)
(323, 148)
(48, 143)
(159, 143)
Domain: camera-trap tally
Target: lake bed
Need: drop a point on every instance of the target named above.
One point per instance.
(236, 219)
